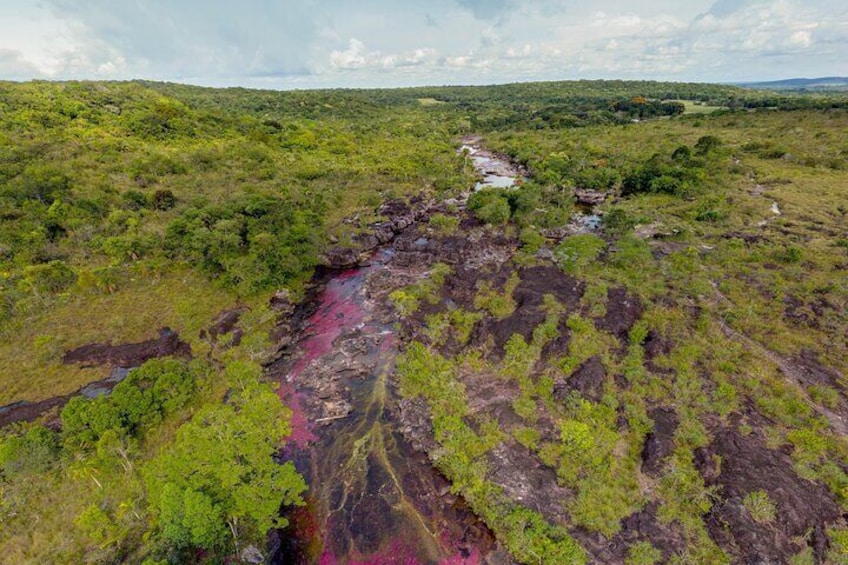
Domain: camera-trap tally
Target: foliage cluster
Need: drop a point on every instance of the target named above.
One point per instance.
(213, 484)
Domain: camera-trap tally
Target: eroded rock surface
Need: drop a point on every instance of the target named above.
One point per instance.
(168, 344)
(738, 465)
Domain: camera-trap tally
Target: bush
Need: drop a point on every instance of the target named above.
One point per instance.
(617, 221)
(163, 199)
(490, 206)
(531, 240)
(251, 243)
(157, 388)
(49, 278)
(760, 507)
(134, 199)
(578, 251)
(32, 452)
(43, 183)
(707, 144)
(444, 224)
(663, 175)
(499, 304)
(239, 493)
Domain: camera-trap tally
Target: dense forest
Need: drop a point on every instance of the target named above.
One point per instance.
(681, 367)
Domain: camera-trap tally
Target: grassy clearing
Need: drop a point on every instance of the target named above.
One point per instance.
(699, 107)
(31, 352)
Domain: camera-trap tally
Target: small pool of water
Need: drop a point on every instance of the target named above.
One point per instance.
(496, 172)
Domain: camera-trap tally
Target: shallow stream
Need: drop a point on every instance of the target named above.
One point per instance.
(372, 498)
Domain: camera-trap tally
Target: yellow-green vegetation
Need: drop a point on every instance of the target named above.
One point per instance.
(181, 299)
(408, 300)
(525, 533)
(126, 207)
(157, 468)
(643, 553)
(497, 302)
(741, 216)
(760, 507)
(729, 230)
(724, 244)
(578, 251)
(444, 224)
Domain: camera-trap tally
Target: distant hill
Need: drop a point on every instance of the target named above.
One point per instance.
(814, 84)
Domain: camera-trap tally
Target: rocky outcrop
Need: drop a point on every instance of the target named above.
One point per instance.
(226, 324)
(659, 443)
(589, 197)
(400, 215)
(737, 465)
(168, 344)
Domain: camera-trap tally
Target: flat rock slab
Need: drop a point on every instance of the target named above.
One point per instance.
(168, 344)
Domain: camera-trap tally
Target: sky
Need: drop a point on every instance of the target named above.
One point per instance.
(288, 44)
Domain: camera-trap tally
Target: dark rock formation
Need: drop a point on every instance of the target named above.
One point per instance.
(129, 354)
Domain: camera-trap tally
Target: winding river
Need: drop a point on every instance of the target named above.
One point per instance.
(373, 499)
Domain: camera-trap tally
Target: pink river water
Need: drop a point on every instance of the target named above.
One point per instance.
(393, 532)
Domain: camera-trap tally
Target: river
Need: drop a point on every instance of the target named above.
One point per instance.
(373, 499)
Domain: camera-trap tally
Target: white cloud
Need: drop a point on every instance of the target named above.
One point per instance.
(301, 43)
(357, 56)
(13, 65)
(802, 38)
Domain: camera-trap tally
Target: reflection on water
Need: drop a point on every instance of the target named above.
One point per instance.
(496, 172)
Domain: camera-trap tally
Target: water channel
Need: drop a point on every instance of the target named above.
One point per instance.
(373, 499)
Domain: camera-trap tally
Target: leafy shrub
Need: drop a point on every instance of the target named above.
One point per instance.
(251, 242)
(444, 224)
(49, 278)
(463, 322)
(97, 526)
(32, 452)
(597, 178)
(163, 199)
(240, 488)
(578, 251)
(407, 300)
(663, 175)
(43, 183)
(157, 388)
(134, 199)
(490, 206)
(499, 304)
(707, 144)
(404, 302)
(760, 507)
(617, 221)
(128, 247)
(682, 154)
(531, 240)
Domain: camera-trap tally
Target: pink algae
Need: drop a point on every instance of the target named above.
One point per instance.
(338, 311)
(301, 435)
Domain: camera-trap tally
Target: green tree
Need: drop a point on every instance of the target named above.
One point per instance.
(218, 483)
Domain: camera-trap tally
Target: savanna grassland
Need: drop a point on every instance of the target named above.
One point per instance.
(683, 377)
(126, 209)
(674, 380)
